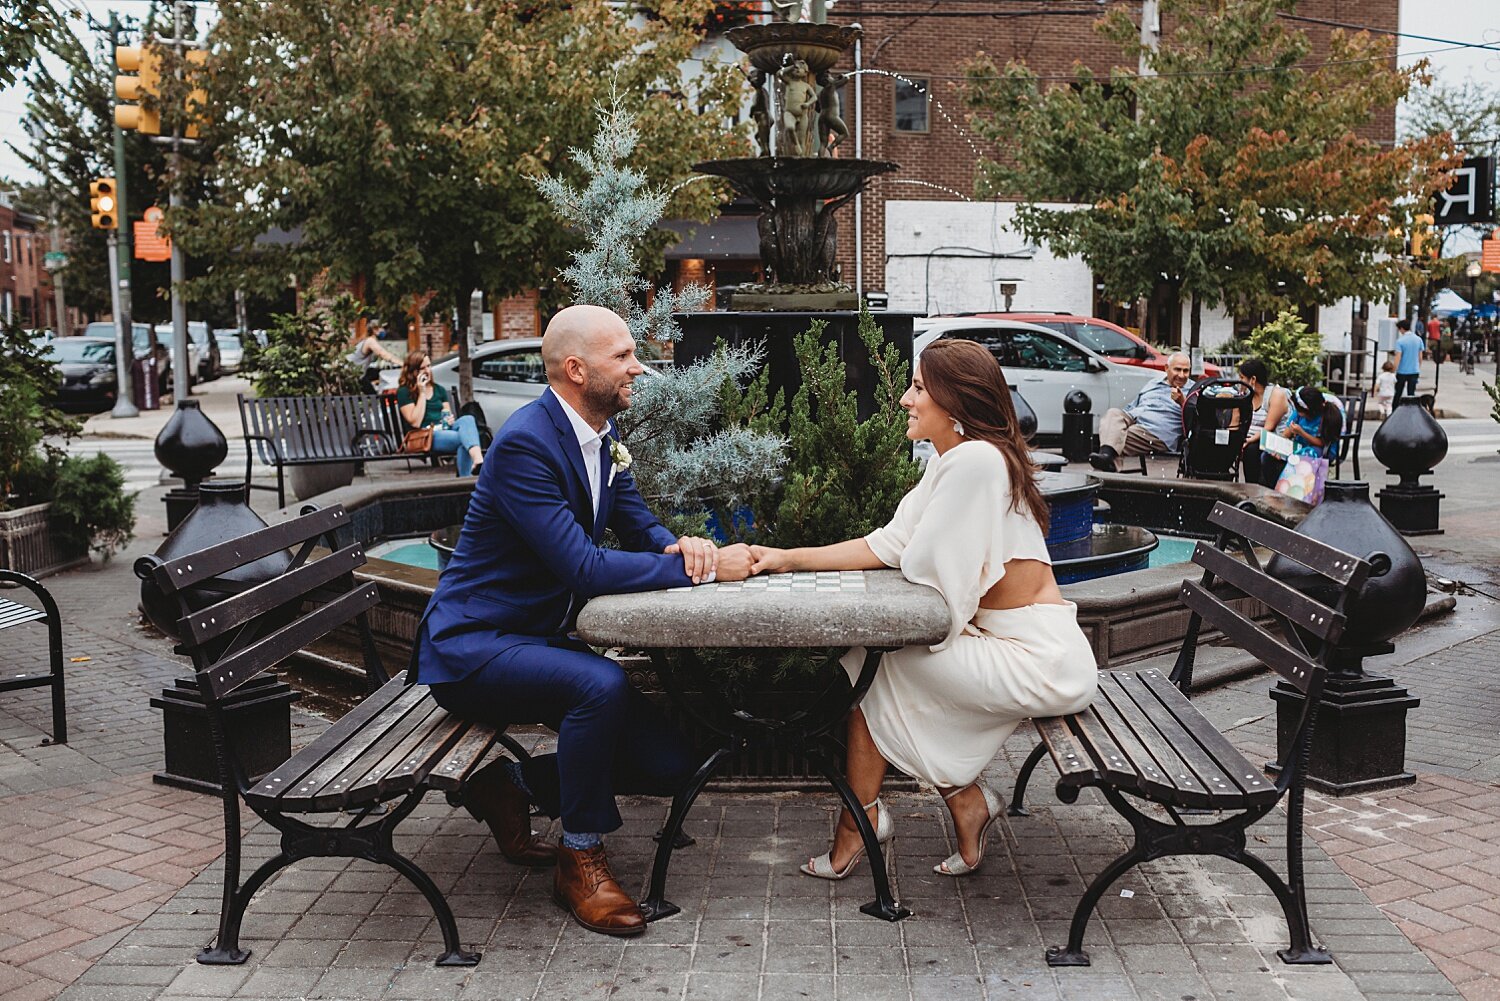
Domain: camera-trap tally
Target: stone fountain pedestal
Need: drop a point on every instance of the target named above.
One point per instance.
(777, 332)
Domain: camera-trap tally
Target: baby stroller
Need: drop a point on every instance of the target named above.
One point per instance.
(1215, 424)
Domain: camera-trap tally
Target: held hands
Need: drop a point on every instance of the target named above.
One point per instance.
(768, 560)
(701, 558)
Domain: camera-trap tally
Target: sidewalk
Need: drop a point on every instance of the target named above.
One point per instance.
(111, 883)
(216, 399)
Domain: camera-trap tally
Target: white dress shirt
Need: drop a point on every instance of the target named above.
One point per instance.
(589, 442)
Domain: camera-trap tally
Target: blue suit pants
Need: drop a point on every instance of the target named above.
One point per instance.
(610, 738)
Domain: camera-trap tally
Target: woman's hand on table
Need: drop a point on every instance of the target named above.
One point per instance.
(769, 560)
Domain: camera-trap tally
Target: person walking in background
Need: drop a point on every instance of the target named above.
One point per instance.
(1408, 352)
(1385, 387)
(1153, 423)
(367, 354)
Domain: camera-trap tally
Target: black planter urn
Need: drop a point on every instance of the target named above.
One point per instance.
(261, 709)
(189, 446)
(1359, 742)
(1410, 443)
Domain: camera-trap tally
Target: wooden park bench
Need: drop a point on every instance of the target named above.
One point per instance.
(317, 430)
(15, 613)
(366, 772)
(1142, 739)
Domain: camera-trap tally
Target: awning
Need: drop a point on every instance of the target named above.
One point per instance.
(729, 237)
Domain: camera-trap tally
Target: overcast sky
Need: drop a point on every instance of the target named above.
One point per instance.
(1455, 21)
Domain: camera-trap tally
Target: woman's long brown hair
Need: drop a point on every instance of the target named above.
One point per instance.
(965, 380)
(409, 370)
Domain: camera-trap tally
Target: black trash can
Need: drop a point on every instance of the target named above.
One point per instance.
(143, 384)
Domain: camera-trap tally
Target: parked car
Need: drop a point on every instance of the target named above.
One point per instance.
(86, 366)
(143, 342)
(231, 350)
(1043, 366)
(195, 354)
(210, 362)
(1114, 342)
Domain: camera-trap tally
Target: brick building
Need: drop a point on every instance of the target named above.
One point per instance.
(25, 288)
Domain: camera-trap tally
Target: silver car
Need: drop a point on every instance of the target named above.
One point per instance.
(1043, 365)
(507, 376)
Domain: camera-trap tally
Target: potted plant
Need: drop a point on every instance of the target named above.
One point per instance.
(39, 535)
(307, 354)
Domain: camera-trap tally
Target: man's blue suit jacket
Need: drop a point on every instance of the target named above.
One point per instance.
(530, 544)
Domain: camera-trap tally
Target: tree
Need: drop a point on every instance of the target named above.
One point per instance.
(398, 138)
(1230, 170)
(27, 27)
(686, 461)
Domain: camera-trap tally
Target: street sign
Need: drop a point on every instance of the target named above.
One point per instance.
(148, 245)
(54, 260)
(1471, 198)
(1489, 253)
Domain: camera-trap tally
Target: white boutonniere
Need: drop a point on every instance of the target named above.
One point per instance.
(619, 459)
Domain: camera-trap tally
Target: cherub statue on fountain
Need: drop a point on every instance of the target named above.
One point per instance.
(831, 128)
(791, 11)
(760, 111)
(797, 135)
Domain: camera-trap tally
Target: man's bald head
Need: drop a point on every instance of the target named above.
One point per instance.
(578, 332)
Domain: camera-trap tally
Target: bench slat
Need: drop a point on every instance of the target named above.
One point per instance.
(1112, 762)
(195, 568)
(1222, 774)
(330, 740)
(1258, 789)
(1291, 664)
(338, 779)
(1302, 611)
(1335, 564)
(238, 668)
(422, 752)
(1163, 771)
(1068, 755)
(216, 620)
(453, 770)
(13, 613)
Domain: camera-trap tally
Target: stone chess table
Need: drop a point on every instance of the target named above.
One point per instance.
(878, 610)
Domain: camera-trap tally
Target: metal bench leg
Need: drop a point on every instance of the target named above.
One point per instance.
(1017, 800)
(55, 649)
(1073, 954)
(884, 906)
(226, 949)
(656, 905)
(453, 950)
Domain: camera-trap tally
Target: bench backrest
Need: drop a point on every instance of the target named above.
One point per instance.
(1309, 620)
(1353, 426)
(317, 427)
(235, 631)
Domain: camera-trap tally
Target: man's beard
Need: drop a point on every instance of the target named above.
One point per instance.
(603, 397)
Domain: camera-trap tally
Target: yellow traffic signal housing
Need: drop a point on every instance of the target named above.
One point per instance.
(144, 88)
(103, 204)
(195, 108)
(1423, 240)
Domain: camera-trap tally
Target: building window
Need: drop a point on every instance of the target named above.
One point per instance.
(7, 246)
(7, 301)
(912, 104)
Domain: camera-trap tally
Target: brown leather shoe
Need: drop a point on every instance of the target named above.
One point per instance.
(584, 886)
(493, 798)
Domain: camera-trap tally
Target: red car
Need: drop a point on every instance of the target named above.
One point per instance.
(1115, 343)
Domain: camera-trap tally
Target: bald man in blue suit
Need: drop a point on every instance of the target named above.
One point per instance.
(495, 643)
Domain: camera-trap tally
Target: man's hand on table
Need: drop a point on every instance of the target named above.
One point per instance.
(699, 557)
(734, 562)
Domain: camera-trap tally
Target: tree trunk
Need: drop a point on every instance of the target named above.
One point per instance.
(1195, 321)
(461, 328)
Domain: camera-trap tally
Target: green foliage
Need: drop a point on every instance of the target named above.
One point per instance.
(307, 352)
(28, 383)
(90, 508)
(1291, 350)
(1233, 172)
(26, 27)
(1493, 388)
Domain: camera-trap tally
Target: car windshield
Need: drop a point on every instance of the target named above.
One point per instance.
(75, 350)
(227, 340)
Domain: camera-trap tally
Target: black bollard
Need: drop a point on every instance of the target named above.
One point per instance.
(1077, 426)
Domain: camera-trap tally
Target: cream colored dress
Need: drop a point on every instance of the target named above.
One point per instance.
(941, 713)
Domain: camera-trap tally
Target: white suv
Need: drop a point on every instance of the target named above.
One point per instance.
(1042, 365)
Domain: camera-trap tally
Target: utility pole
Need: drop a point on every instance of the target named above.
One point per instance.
(55, 242)
(119, 259)
(179, 261)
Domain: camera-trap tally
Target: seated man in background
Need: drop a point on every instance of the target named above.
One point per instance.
(1153, 423)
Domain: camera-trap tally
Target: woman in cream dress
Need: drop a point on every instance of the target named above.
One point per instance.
(973, 529)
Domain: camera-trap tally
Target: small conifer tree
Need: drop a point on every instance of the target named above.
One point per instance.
(685, 459)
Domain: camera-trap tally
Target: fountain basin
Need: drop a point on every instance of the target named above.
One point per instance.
(773, 45)
(765, 178)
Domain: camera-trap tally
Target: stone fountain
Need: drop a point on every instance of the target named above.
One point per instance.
(799, 181)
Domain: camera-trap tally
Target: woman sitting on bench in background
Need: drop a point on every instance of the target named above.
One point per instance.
(426, 405)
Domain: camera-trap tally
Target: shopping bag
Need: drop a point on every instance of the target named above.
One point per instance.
(1303, 477)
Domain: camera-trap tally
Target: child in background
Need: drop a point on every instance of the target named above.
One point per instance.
(1385, 387)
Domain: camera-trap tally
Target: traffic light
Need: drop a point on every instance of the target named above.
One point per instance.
(1423, 240)
(144, 88)
(195, 107)
(103, 204)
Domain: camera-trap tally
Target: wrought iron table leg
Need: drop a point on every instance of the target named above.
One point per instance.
(656, 906)
(885, 905)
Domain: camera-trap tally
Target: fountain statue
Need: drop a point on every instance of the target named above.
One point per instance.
(797, 180)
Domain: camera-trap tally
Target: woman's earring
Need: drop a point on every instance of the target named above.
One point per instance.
(958, 428)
